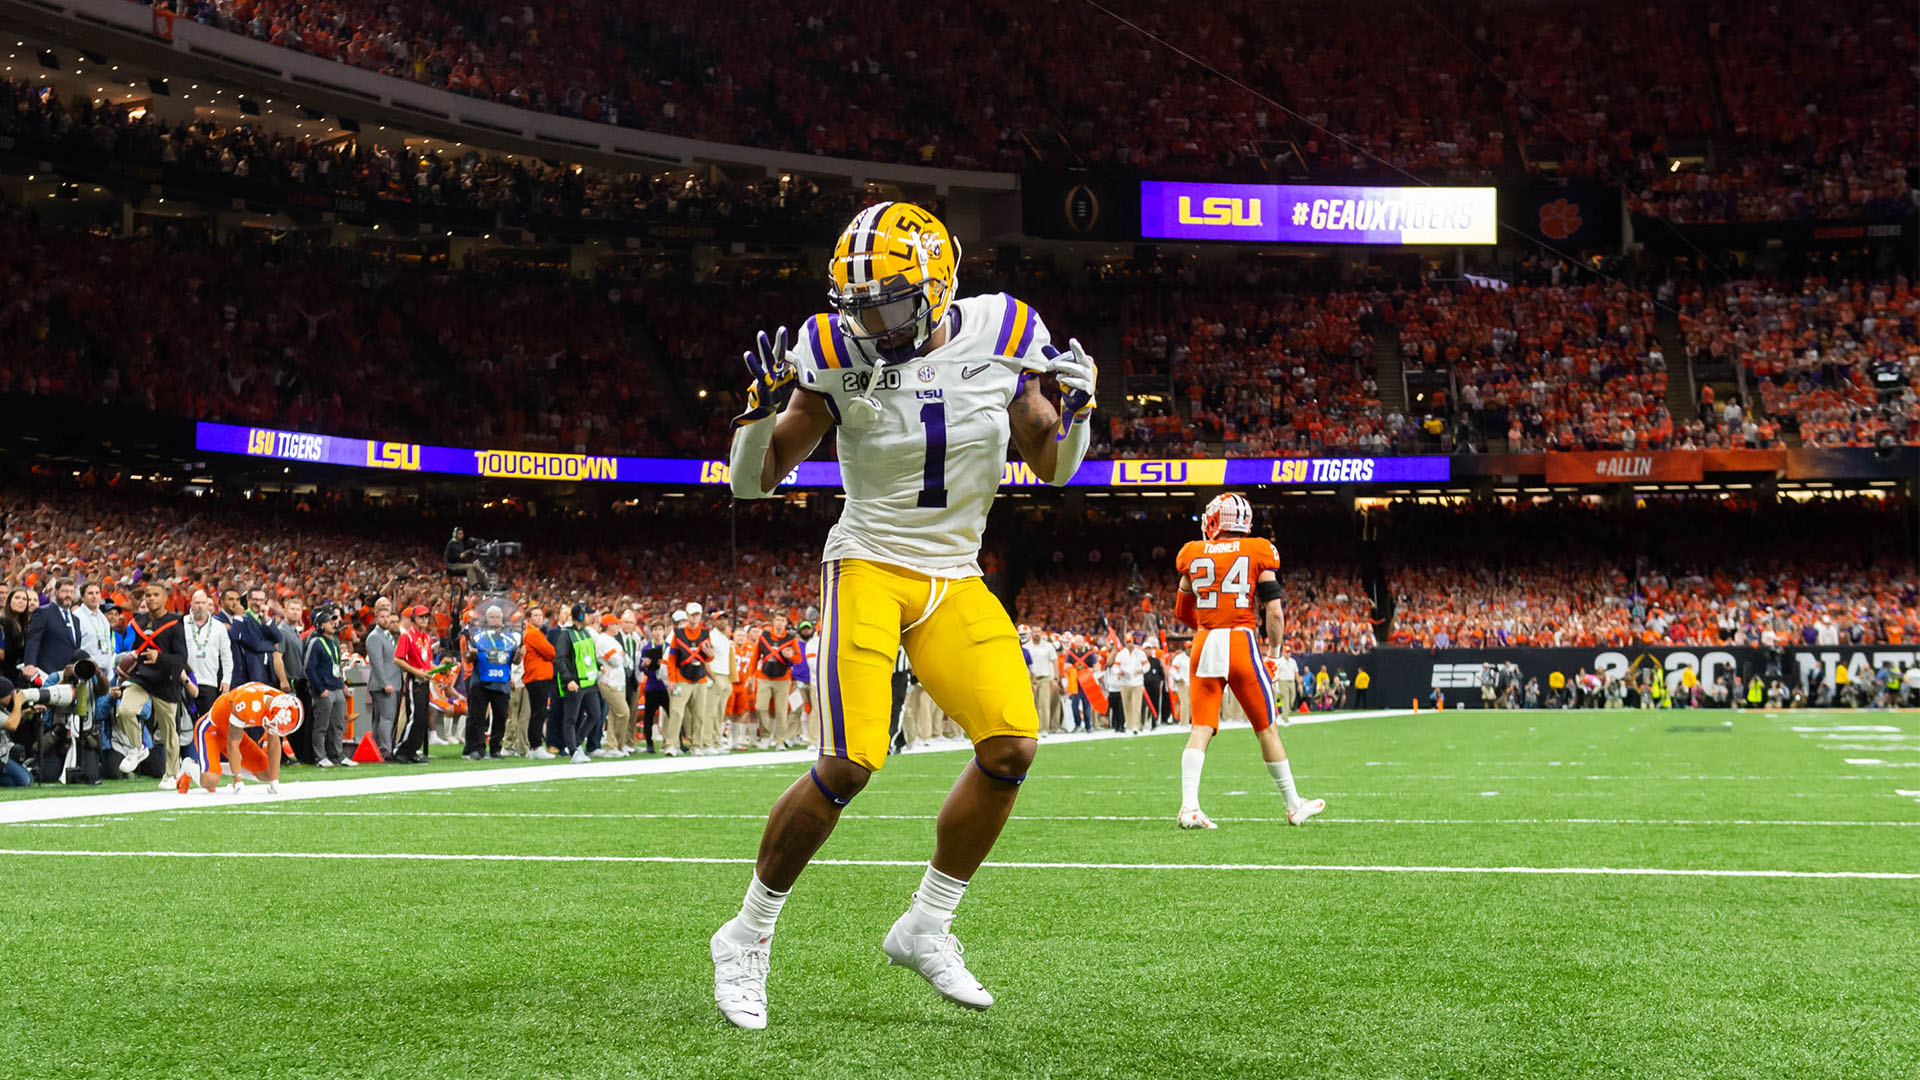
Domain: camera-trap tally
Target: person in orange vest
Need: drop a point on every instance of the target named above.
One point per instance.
(688, 653)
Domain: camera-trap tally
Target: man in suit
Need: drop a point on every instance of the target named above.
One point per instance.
(383, 677)
(256, 645)
(53, 634)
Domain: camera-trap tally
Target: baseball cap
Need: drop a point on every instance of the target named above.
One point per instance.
(692, 610)
(806, 624)
(679, 616)
(6, 688)
(417, 611)
(609, 620)
(579, 612)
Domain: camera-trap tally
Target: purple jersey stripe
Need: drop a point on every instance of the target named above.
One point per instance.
(832, 664)
(1006, 328)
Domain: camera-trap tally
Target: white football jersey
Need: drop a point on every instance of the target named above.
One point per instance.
(920, 481)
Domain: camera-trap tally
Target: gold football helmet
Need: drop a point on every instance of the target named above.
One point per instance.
(894, 271)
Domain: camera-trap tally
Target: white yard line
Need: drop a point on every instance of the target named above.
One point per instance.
(855, 815)
(17, 811)
(419, 856)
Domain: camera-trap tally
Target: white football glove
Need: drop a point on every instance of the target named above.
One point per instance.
(1077, 374)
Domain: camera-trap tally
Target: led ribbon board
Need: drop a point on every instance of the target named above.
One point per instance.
(294, 446)
(1318, 213)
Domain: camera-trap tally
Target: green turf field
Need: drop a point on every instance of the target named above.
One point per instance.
(1120, 947)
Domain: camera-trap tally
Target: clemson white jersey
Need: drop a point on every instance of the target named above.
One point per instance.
(920, 481)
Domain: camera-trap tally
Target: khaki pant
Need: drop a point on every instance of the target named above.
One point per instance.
(917, 721)
(166, 737)
(1132, 700)
(619, 731)
(517, 715)
(682, 700)
(1283, 691)
(803, 720)
(1185, 709)
(710, 703)
(770, 709)
(1046, 702)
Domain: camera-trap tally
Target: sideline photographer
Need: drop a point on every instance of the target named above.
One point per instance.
(65, 742)
(12, 773)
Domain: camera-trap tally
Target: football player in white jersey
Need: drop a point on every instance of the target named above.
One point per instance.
(923, 391)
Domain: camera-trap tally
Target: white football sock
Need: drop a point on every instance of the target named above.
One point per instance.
(1282, 773)
(761, 907)
(1191, 762)
(933, 906)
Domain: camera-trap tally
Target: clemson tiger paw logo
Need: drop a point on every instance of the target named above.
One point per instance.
(1560, 219)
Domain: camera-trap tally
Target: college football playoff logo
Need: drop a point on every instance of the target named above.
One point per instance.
(1082, 209)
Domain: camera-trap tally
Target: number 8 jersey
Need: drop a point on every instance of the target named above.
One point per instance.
(1223, 573)
(920, 480)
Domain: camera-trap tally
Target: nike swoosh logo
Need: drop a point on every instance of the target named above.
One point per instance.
(968, 373)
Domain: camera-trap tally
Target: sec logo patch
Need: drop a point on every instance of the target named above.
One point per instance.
(926, 372)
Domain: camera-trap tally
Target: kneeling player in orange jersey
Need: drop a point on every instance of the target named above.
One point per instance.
(232, 728)
(1228, 585)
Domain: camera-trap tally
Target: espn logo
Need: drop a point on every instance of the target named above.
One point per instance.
(1452, 676)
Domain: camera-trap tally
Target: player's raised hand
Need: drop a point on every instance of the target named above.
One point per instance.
(771, 373)
(1077, 375)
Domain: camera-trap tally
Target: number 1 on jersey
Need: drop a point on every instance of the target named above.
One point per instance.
(933, 490)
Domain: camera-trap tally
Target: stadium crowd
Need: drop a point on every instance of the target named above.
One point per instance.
(522, 190)
(1837, 362)
(630, 586)
(1820, 120)
(1238, 360)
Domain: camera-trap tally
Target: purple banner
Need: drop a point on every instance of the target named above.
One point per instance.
(1318, 213)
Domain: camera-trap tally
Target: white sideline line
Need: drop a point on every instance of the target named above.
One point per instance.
(857, 816)
(14, 812)
(424, 856)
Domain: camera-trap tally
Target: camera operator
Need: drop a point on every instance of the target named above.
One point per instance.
(63, 733)
(161, 649)
(12, 773)
(460, 560)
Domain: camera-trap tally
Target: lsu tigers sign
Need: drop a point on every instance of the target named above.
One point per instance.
(1318, 213)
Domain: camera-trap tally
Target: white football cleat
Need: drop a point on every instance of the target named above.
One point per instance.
(1298, 815)
(1193, 818)
(937, 958)
(740, 977)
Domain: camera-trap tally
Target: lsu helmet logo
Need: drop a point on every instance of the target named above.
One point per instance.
(932, 244)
